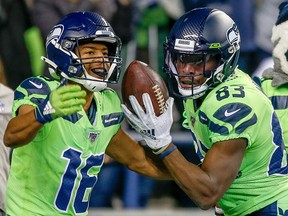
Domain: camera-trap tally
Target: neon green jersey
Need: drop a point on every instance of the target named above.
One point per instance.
(238, 109)
(55, 173)
(279, 98)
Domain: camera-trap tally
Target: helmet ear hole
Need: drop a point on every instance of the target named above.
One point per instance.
(231, 49)
(54, 74)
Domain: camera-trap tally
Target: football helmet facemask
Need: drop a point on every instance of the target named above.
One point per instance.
(197, 36)
(65, 37)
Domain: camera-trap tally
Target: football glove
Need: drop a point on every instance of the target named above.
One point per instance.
(154, 130)
(60, 102)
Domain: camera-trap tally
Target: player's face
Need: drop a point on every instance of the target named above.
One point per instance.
(190, 69)
(95, 59)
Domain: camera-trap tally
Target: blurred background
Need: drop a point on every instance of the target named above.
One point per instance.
(142, 26)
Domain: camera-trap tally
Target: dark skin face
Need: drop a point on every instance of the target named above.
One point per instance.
(193, 66)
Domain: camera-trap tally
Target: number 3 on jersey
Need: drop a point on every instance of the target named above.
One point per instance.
(68, 185)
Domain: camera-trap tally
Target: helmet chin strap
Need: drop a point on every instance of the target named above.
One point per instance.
(90, 85)
(207, 74)
(52, 67)
(94, 84)
(193, 93)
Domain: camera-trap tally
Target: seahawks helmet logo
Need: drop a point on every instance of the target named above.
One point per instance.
(233, 37)
(55, 34)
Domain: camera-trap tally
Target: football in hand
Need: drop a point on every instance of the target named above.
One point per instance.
(138, 79)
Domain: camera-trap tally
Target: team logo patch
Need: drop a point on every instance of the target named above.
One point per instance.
(92, 136)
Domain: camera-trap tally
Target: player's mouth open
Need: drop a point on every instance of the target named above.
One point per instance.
(186, 83)
(100, 72)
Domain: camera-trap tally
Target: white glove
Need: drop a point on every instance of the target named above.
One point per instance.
(154, 130)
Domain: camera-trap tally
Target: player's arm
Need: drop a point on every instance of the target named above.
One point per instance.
(127, 151)
(205, 185)
(60, 102)
(22, 128)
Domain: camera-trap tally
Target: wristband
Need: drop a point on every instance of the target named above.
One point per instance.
(168, 152)
(43, 111)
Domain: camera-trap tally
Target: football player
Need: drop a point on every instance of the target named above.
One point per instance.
(235, 130)
(61, 128)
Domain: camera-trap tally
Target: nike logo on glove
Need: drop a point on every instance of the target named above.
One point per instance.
(36, 85)
(227, 113)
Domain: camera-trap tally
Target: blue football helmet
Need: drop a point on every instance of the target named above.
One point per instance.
(210, 33)
(74, 29)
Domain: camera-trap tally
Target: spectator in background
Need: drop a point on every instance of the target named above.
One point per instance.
(124, 20)
(14, 21)
(275, 80)
(45, 13)
(266, 12)
(243, 12)
(2, 74)
(6, 100)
